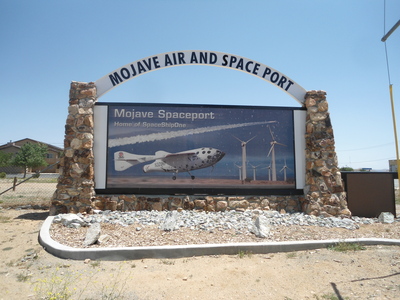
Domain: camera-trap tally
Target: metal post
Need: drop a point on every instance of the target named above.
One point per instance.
(395, 131)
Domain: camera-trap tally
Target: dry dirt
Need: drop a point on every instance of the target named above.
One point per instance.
(27, 271)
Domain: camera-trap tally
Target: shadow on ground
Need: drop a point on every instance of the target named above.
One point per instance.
(38, 216)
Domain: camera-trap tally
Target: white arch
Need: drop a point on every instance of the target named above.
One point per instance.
(198, 57)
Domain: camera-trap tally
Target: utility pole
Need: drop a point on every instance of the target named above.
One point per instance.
(384, 38)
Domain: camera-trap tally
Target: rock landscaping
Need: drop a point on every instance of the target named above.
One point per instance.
(154, 228)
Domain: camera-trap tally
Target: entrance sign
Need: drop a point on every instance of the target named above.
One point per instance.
(210, 58)
(198, 149)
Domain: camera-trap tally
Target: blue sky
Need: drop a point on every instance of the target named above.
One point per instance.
(325, 45)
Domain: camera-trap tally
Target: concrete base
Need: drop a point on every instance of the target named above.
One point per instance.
(131, 253)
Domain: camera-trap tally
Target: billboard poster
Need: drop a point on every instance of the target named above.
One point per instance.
(167, 148)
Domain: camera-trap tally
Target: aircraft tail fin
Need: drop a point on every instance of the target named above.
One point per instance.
(124, 160)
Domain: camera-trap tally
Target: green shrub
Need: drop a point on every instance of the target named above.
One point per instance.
(3, 175)
(343, 247)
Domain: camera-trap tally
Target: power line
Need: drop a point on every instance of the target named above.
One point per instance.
(365, 148)
(367, 161)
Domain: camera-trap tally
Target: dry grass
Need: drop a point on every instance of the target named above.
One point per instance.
(38, 192)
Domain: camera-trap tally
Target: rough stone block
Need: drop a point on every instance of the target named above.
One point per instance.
(323, 106)
(73, 109)
(189, 205)
(76, 144)
(310, 102)
(88, 121)
(111, 205)
(127, 199)
(221, 205)
(169, 223)
(318, 117)
(88, 92)
(87, 102)
(238, 204)
(386, 218)
(176, 202)
(209, 207)
(156, 206)
(85, 111)
(200, 204)
(264, 203)
(345, 212)
(92, 234)
(261, 227)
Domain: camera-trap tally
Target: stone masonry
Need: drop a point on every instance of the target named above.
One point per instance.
(324, 191)
(323, 194)
(75, 188)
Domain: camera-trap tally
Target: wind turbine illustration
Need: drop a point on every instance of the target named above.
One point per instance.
(254, 171)
(240, 171)
(244, 156)
(272, 153)
(284, 170)
(269, 171)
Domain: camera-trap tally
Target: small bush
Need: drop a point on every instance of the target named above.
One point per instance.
(4, 219)
(291, 255)
(242, 254)
(95, 264)
(23, 277)
(343, 247)
(167, 262)
(3, 175)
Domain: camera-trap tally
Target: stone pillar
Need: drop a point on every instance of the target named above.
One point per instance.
(324, 191)
(75, 188)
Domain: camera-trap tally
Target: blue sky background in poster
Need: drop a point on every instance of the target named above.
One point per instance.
(202, 126)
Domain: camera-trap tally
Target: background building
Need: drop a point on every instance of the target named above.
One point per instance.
(52, 156)
(393, 165)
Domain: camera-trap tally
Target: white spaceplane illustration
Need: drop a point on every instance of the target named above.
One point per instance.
(184, 161)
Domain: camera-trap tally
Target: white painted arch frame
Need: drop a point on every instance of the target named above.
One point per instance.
(199, 57)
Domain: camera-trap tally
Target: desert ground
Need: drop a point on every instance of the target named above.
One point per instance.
(183, 181)
(28, 272)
